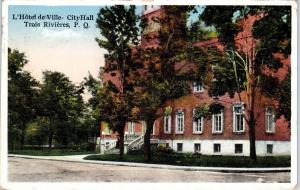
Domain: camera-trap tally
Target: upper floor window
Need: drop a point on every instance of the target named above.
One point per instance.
(270, 120)
(197, 124)
(179, 121)
(238, 118)
(197, 87)
(217, 122)
(167, 123)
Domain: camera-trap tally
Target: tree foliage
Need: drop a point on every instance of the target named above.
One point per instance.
(119, 29)
(240, 70)
(62, 104)
(22, 93)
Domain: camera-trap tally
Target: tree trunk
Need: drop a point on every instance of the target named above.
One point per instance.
(147, 144)
(252, 136)
(251, 98)
(50, 139)
(23, 135)
(121, 140)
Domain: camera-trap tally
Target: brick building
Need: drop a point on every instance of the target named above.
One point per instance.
(224, 133)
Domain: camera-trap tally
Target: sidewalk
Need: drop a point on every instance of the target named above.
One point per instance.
(79, 158)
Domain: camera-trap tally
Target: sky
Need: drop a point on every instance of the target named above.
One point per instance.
(72, 51)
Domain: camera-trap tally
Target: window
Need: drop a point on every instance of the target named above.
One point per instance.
(105, 128)
(167, 123)
(131, 126)
(238, 118)
(269, 149)
(197, 87)
(197, 147)
(217, 148)
(197, 125)
(144, 126)
(238, 148)
(217, 122)
(179, 122)
(179, 147)
(153, 129)
(270, 120)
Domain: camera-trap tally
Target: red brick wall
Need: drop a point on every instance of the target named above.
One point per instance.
(188, 103)
(245, 43)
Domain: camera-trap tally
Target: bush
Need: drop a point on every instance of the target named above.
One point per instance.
(139, 151)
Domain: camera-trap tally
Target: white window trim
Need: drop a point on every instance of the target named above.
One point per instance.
(222, 123)
(199, 146)
(242, 148)
(181, 147)
(131, 128)
(214, 148)
(153, 128)
(195, 123)
(234, 120)
(272, 149)
(176, 123)
(169, 124)
(266, 121)
(195, 84)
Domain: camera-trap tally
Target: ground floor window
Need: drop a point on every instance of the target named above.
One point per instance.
(197, 147)
(179, 122)
(217, 148)
(131, 126)
(197, 124)
(238, 118)
(217, 122)
(238, 148)
(167, 124)
(269, 149)
(179, 147)
(270, 120)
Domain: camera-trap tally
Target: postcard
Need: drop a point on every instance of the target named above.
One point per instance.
(149, 94)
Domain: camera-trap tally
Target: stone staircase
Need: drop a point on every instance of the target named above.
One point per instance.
(131, 142)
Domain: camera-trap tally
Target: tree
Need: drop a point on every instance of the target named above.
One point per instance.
(158, 80)
(119, 29)
(243, 70)
(22, 92)
(61, 104)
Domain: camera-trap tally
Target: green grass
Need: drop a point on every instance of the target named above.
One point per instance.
(52, 152)
(200, 160)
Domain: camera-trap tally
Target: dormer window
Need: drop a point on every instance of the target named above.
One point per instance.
(197, 87)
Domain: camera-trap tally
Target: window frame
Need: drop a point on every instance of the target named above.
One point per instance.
(222, 123)
(167, 124)
(197, 151)
(177, 131)
(272, 149)
(215, 144)
(234, 114)
(131, 128)
(269, 112)
(196, 124)
(177, 147)
(197, 87)
(235, 148)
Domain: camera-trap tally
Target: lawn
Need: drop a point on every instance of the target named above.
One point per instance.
(200, 160)
(52, 152)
